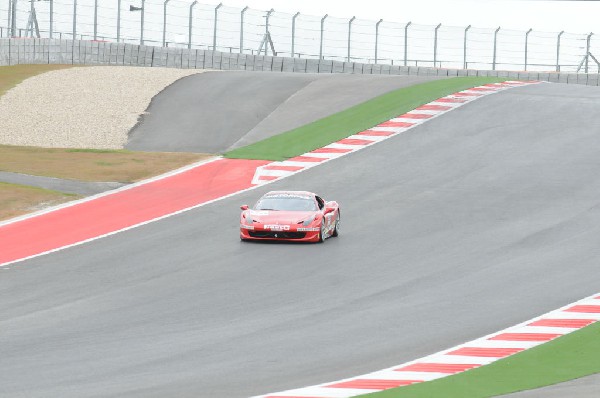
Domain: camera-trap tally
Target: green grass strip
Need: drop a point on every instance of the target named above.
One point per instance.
(353, 120)
(568, 357)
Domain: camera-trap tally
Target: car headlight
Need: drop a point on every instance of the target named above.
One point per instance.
(248, 220)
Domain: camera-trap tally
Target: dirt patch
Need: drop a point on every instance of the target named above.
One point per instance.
(92, 165)
(16, 200)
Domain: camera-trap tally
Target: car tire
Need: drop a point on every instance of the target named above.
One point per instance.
(337, 223)
(322, 232)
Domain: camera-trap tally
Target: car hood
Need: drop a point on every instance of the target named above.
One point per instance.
(280, 217)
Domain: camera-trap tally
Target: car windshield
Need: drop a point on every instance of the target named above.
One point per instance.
(287, 203)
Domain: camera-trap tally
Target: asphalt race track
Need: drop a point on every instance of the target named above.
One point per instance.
(473, 222)
(252, 106)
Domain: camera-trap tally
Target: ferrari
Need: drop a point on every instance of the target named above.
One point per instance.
(290, 216)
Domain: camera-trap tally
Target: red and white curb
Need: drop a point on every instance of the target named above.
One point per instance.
(276, 170)
(461, 358)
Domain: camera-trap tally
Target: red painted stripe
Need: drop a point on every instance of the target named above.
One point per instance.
(450, 100)
(467, 94)
(591, 309)
(395, 124)
(415, 116)
(481, 89)
(283, 168)
(353, 141)
(598, 298)
(438, 367)
(332, 150)
(433, 108)
(485, 352)
(563, 323)
(373, 384)
(376, 133)
(124, 209)
(526, 336)
(306, 159)
(268, 178)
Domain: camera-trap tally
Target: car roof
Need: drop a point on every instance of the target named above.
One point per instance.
(298, 193)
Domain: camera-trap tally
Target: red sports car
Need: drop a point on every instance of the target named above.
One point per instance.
(290, 216)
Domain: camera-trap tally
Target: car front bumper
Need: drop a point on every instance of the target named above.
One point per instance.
(291, 233)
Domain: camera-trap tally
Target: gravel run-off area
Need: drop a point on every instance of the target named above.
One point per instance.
(84, 107)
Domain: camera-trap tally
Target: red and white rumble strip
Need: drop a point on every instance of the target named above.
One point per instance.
(461, 358)
(276, 170)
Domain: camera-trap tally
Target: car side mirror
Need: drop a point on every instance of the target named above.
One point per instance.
(244, 207)
(329, 210)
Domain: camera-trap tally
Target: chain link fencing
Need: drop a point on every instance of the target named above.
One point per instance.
(194, 25)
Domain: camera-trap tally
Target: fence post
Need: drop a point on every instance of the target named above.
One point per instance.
(9, 19)
(13, 22)
(435, 45)
(74, 19)
(587, 52)
(242, 29)
(558, 50)
(294, 32)
(119, 21)
(215, 26)
(164, 41)
(321, 41)
(406, 43)
(495, 41)
(143, 11)
(190, 24)
(51, 18)
(377, 38)
(350, 35)
(95, 19)
(526, 44)
(465, 48)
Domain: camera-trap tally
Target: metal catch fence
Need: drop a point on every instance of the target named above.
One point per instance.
(190, 24)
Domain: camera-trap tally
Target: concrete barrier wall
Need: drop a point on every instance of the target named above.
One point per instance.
(52, 51)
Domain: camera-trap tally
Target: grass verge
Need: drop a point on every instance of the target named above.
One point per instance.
(353, 120)
(16, 200)
(566, 358)
(10, 76)
(92, 165)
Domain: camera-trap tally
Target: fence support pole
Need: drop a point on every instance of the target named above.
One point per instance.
(526, 45)
(294, 32)
(558, 51)
(350, 36)
(190, 23)
(119, 21)
(465, 48)
(95, 19)
(377, 39)
(435, 45)
(242, 29)
(215, 26)
(321, 41)
(495, 42)
(164, 41)
(9, 20)
(587, 52)
(51, 18)
(406, 43)
(74, 18)
(143, 11)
